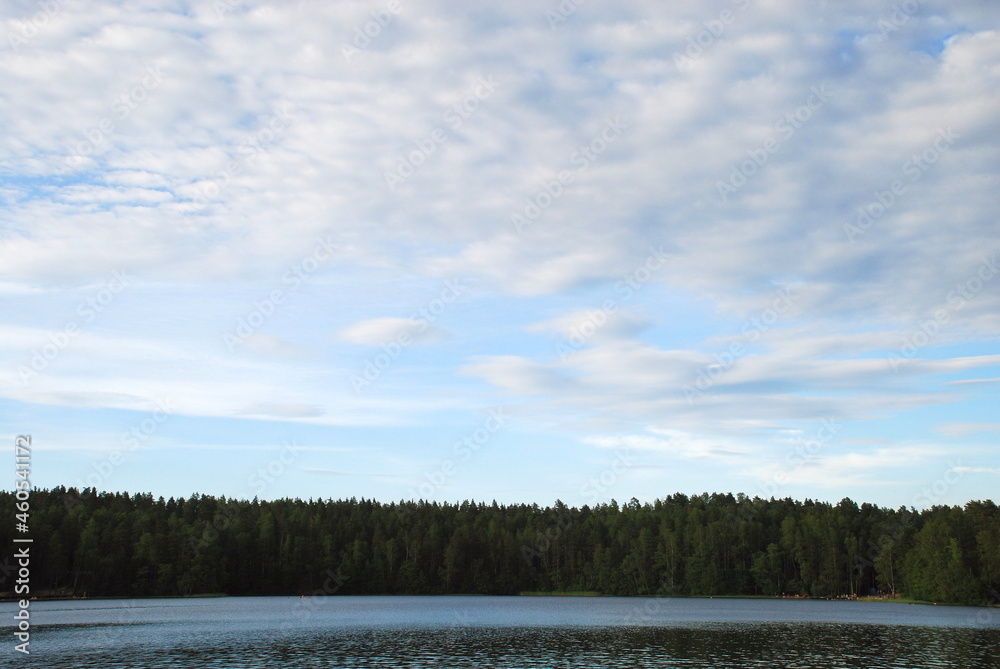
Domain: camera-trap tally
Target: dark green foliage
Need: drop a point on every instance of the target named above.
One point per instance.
(119, 545)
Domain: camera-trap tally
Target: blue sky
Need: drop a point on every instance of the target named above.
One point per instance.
(521, 252)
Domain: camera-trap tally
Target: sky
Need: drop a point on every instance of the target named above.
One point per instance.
(518, 251)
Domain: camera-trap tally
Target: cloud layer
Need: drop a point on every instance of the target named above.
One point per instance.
(689, 228)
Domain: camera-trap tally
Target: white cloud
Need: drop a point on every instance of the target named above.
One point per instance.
(353, 120)
(205, 152)
(283, 410)
(677, 443)
(961, 382)
(963, 429)
(833, 471)
(275, 346)
(977, 470)
(601, 323)
(378, 331)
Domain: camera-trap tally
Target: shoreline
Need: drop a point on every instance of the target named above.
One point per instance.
(866, 599)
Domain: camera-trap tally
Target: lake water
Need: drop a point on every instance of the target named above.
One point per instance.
(495, 632)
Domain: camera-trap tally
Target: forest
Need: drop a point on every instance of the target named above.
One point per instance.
(90, 543)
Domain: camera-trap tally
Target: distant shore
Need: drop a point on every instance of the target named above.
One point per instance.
(572, 593)
(891, 600)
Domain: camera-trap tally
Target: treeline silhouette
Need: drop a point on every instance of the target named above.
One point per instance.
(116, 544)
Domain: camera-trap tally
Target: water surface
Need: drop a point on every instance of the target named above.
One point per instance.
(502, 632)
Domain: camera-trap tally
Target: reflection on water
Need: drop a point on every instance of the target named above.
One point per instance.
(719, 647)
(411, 632)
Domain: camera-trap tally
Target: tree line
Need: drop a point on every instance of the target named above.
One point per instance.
(116, 544)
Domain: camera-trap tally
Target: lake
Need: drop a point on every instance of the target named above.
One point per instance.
(494, 632)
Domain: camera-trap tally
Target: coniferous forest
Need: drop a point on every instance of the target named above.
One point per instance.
(115, 544)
